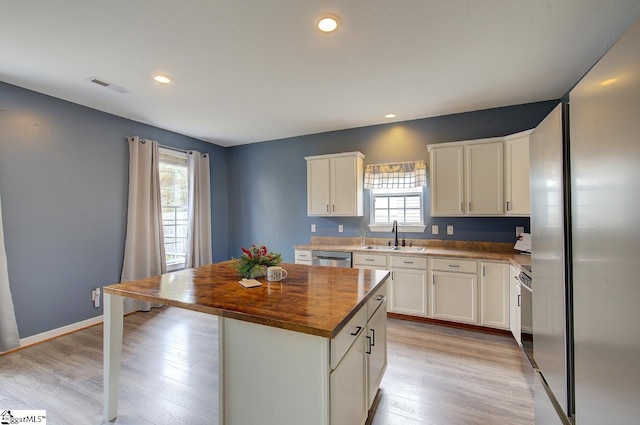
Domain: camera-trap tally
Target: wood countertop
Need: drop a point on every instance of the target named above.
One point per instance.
(312, 299)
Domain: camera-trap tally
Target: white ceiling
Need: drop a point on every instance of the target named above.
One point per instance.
(254, 70)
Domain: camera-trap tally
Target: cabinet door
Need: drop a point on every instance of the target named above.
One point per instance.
(344, 186)
(454, 296)
(318, 192)
(447, 181)
(514, 304)
(408, 292)
(517, 201)
(348, 387)
(484, 178)
(376, 341)
(494, 295)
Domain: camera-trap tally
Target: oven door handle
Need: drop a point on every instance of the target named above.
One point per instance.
(522, 285)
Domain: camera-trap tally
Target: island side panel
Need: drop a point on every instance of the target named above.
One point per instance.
(272, 376)
(112, 346)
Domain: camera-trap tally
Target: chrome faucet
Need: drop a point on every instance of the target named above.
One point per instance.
(394, 229)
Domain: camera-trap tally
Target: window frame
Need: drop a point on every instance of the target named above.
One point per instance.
(173, 266)
(402, 227)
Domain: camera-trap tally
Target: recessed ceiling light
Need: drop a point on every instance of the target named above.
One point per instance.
(163, 78)
(389, 116)
(328, 22)
(608, 82)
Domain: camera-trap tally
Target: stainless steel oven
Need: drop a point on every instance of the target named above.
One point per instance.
(526, 313)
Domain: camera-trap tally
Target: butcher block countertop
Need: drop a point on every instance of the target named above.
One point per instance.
(311, 299)
(491, 251)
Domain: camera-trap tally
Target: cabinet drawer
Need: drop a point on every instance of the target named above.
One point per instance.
(411, 262)
(377, 299)
(369, 260)
(454, 265)
(303, 255)
(341, 343)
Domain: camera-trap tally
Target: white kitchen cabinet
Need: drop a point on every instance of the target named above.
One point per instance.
(376, 350)
(303, 256)
(348, 386)
(454, 290)
(516, 174)
(494, 294)
(447, 180)
(484, 178)
(408, 290)
(335, 184)
(369, 261)
(514, 303)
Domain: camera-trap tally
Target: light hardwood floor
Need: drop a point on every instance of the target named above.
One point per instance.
(436, 375)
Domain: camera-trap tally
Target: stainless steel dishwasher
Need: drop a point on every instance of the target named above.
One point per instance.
(331, 258)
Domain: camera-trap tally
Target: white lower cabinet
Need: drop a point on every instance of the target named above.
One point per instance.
(376, 350)
(514, 304)
(358, 361)
(454, 290)
(494, 296)
(408, 290)
(348, 384)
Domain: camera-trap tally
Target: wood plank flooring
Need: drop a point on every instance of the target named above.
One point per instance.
(436, 375)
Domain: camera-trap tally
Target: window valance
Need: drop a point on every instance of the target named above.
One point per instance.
(397, 175)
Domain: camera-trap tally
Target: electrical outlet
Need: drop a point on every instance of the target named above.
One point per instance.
(340, 228)
(95, 297)
(313, 228)
(449, 230)
(434, 229)
(519, 231)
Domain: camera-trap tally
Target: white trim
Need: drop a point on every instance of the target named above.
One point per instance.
(416, 228)
(30, 340)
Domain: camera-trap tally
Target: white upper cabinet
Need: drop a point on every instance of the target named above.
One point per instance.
(516, 169)
(447, 180)
(484, 178)
(487, 177)
(335, 184)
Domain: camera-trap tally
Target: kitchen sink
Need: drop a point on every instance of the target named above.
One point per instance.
(395, 248)
(409, 248)
(379, 247)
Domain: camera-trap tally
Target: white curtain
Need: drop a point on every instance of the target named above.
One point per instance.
(144, 253)
(199, 232)
(9, 337)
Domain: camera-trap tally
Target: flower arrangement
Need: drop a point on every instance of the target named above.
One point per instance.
(255, 260)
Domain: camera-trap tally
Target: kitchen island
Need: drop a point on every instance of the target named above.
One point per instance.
(290, 352)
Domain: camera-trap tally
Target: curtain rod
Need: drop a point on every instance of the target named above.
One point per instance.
(163, 146)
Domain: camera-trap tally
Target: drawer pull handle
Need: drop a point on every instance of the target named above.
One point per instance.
(373, 337)
(357, 331)
(380, 298)
(455, 266)
(369, 259)
(408, 262)
(369, 345)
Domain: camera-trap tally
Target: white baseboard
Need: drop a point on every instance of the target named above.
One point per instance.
(30, 340)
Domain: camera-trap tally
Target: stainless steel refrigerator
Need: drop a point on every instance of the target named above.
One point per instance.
(585, 225)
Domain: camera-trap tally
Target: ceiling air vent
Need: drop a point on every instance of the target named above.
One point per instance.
(108, 85)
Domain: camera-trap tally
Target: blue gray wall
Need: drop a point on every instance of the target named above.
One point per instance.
(267, 191)
(63, 181)
(64, 184)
